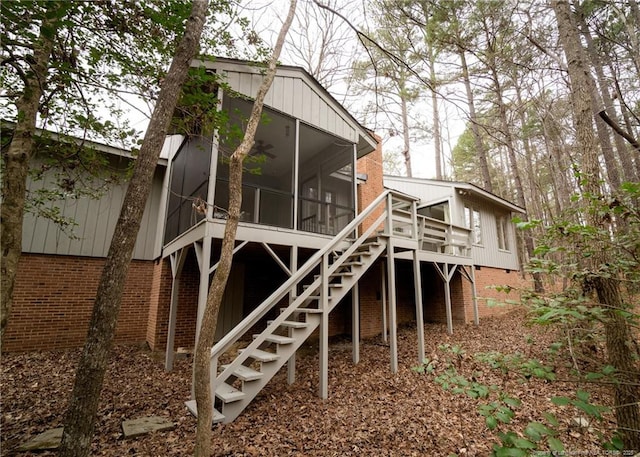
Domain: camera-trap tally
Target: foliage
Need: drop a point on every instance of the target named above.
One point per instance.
(103, 80)
(498, 407)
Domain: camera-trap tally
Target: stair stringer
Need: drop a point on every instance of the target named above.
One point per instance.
(342, 284)
(338, 274)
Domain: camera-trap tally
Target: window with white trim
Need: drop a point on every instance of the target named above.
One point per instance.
(472, 221)
(502, 225)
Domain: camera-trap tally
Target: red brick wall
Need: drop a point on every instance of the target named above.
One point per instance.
(159, 302)
(371, 165)
(487, 277)
(53, 301)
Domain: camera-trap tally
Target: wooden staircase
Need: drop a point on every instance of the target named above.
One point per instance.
(312, 291)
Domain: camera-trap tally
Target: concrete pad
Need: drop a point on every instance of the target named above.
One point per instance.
(137, 427)
(47, 440)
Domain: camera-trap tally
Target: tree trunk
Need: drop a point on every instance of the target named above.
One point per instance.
(406, 151)
(437, 136)
(16, 160)
(80, 417)
(621, 353)
(201, 361)
(617, 332)
(475, 129)
(607, 104)
(513, 164)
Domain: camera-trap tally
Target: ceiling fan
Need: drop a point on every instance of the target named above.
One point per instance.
(261, 149)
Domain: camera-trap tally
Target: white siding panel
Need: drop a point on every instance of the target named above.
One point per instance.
(287, 98)
(277, 94)
(314, 115)
(332, 116)
(323, 113)
(298, 99)
(244, 83)
(233, 80)
(256, 81)
(306, 104)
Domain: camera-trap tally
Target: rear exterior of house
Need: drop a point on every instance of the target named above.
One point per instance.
(325, 245)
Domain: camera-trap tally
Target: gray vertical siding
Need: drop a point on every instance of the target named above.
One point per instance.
(95, 219)
(293, 95)
(488, 254)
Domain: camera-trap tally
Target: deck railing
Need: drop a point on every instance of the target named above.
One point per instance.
(442, 237)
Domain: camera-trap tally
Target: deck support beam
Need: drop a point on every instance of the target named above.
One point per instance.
(355, 322)
(471, 277)
(293, 267)
(177, 260)
(323, 388)
(417, 283)
(446, 273)
(393, 321)
(383, 281)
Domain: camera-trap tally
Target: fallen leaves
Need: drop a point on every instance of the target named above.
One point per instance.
(370, 411)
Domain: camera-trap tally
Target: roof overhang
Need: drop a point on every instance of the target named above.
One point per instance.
(82, 142)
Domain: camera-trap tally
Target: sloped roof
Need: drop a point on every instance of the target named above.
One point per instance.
(464, 187)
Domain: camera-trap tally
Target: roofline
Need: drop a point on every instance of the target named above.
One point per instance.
(365, 130)
(102, 147)
(466, 186)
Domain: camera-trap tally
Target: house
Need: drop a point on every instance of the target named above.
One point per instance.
(325, 245)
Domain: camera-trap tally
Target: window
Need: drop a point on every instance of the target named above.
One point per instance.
(472, 221)
(502, 224)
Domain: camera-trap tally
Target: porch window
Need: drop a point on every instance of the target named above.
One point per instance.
(439, 211)
(502, 224)
(267, 190)
(327, 202)
(189, 187)
(472, 221)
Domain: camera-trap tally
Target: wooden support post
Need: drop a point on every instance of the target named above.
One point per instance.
(355, 322)
(177, 260)
(417, 283)
(393, 323)
(476, 314)
(324, 330)
(383, 281)
(293, 267)
(447, 298)
(203, 254)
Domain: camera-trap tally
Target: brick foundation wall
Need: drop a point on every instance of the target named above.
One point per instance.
(187, 305)
(53, 301)
(487, 277)
(159, 303)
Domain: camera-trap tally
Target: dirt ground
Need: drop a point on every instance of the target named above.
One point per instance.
(369, 412)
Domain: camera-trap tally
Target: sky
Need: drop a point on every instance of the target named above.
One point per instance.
(423, 155)
(304, 44)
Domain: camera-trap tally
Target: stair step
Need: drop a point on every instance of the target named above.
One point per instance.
(317, 297)
(228, 393)
(245, 373)
(278, 339)
(336, 285)
(193, 409)
(352, 262)
(262, 356)
(343, 273)
(291, 324)
(308, 310)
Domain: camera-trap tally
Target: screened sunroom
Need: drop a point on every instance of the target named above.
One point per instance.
(300, 174)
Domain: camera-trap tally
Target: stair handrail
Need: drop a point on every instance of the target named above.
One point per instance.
(299, 300)
(241, 328)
